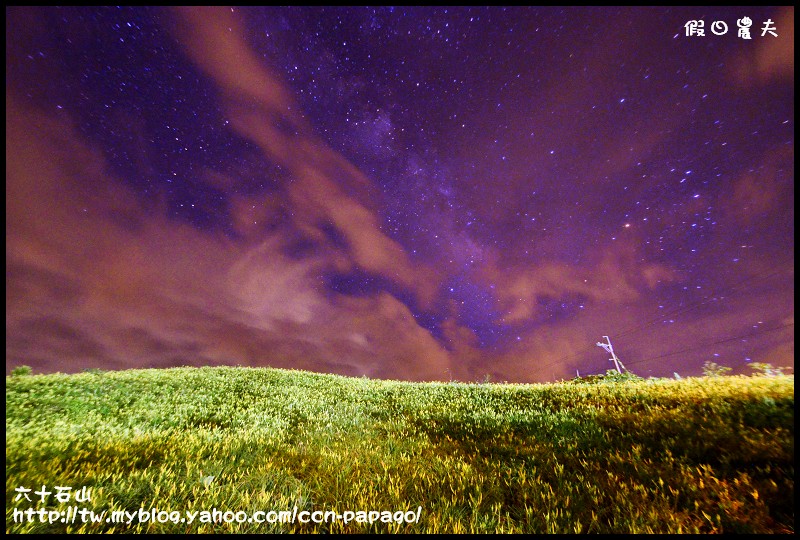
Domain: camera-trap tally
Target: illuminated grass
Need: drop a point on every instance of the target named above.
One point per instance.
(691, 455)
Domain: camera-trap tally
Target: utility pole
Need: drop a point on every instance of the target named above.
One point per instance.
(609, 349)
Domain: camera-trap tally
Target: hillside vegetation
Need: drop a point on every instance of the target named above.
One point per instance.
(708, 454)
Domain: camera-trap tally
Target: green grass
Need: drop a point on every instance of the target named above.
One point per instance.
(662, 456)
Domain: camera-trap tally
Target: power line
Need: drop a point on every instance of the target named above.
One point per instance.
(563, 360)
(712, 296)
(684, 309)
(697, 348)
(690, 349)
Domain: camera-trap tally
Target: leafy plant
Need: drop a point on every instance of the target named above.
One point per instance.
(712, 369)
(653, 456)
(21, 371)
(767, 370)
(610, 376)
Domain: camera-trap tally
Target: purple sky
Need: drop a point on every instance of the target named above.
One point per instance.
(408, 193)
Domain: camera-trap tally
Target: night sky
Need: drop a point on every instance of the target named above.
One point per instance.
(407, 193)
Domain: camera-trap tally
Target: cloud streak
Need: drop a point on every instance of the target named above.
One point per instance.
(96, 280)
(99, 276)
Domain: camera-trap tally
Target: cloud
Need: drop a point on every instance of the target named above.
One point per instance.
(324, 188)
(98, 278)
(770, 58)
(764, 193)
(612, 276)
(725, 328)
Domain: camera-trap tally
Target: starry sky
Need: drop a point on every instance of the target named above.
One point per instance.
(414, 193)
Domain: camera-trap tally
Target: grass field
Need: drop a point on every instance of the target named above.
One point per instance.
(692, 455)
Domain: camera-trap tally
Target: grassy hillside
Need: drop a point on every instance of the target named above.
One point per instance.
(691, 455)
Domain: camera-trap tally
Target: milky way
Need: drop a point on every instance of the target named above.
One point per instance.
(408, 193)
